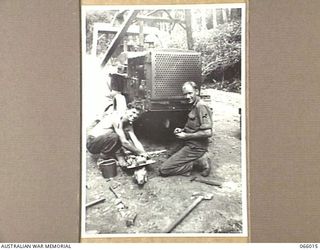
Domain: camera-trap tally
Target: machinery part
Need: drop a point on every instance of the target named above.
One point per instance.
(141, 176)
(138, 165)
(208, 182)
(187, 211)
(155, 78)
(156, 153)
(139, 161)
(92, 203)
(170, 69)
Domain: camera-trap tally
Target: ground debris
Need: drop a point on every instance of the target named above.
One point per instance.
(130, 218)
(152, 208)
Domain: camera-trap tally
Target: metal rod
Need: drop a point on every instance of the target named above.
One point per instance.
(92, 203)
(112, 190)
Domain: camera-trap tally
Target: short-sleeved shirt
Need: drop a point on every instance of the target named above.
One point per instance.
(119, 104)
(199, 118)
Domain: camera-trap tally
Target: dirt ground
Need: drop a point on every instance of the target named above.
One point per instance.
(161, 200)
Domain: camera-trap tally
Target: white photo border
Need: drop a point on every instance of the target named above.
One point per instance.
(244, 93)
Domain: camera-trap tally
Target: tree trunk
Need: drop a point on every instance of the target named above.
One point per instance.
(235, 14)
(228, 13)
(203, 25)
(224, 15)
(214, 18)
(141, 36)
(189, 29)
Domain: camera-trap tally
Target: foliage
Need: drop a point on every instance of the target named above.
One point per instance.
(221, 55)
(178, 40)
(216, 35)
(95, 16)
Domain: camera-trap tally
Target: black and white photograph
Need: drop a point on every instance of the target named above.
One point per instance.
(164, 121)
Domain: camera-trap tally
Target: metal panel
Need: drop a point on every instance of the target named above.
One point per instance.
(170, 69)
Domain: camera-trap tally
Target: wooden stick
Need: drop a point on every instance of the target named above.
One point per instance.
(92, 203)
(185, 213)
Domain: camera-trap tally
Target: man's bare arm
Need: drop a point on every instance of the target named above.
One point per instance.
(125, 143)
(135, 141)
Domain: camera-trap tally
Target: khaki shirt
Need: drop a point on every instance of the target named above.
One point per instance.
(199, 118)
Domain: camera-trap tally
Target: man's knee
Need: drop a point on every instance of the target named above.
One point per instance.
(92, 146)
(201, 161)
(113, 142)
(164, 170)
(203, 164)
(111, 145)
(113, 138)
(170, 168)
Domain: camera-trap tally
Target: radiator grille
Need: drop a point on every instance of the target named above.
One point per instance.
(171, 69)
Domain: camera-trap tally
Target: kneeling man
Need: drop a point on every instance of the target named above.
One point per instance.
(195, 136)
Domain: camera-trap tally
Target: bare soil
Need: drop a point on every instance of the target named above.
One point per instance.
(161, 200)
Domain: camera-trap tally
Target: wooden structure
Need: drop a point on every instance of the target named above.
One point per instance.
(127, 27)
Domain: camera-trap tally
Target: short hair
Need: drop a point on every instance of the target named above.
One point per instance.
(192, 84)
(133, 109)
(133, 105)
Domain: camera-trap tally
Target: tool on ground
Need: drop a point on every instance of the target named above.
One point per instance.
(92, 203)
(134, 164)
(114, 192)
(119, 201)
(123, 210)
(150, 153)
(156, 153)
(208, 182)
(141, 161)
(187, 211)
(130, 218)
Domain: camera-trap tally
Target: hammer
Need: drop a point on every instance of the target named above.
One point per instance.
(187, 211)
(209, 182)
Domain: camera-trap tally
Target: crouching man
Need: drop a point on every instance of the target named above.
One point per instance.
(195, 137)
(112, 133)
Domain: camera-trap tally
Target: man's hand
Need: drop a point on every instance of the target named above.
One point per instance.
(177, 130)
(122, 162)
(182, 135)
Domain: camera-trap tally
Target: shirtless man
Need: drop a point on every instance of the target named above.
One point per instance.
(112, 133)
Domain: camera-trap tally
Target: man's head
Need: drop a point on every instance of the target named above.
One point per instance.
(131, 114)
(190, 91)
